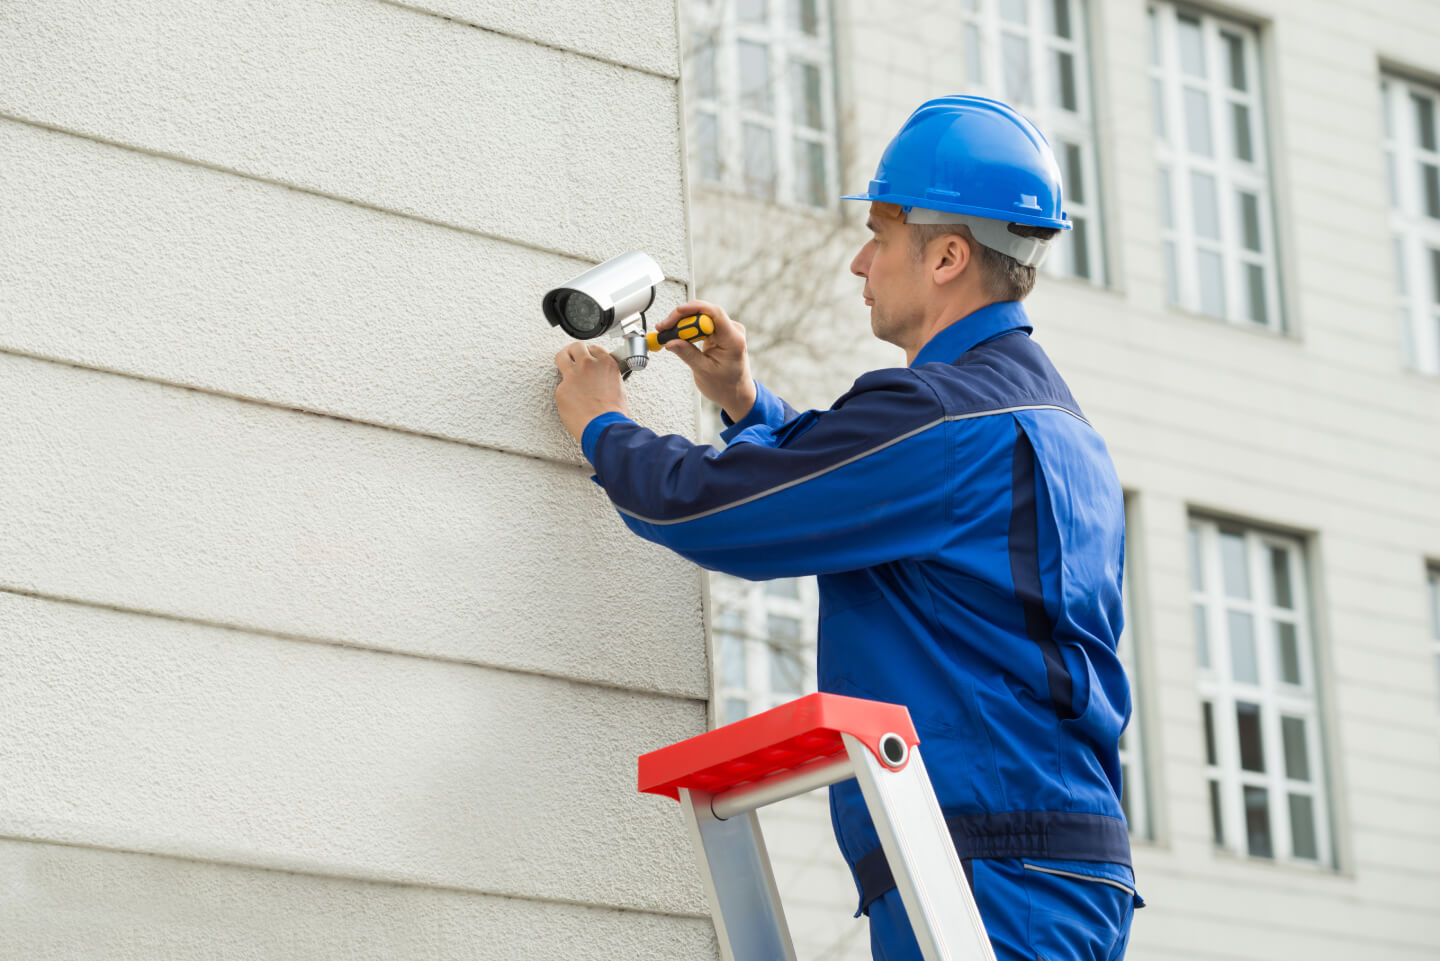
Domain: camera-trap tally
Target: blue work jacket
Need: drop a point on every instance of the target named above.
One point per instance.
(967, 527)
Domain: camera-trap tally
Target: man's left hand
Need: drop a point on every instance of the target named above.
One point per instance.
(589, 386)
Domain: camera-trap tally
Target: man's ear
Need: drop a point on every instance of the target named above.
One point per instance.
(953, 256)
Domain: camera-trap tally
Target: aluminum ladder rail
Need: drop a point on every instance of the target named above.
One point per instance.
(721, 777)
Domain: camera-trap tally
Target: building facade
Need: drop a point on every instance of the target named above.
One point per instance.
(318, 640)
(1248, 308)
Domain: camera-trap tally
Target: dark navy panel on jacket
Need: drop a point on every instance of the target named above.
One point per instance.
(968, 529)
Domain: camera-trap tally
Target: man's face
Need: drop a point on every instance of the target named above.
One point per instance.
(894, 278)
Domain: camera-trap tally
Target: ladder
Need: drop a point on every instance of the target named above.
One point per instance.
(722, 776)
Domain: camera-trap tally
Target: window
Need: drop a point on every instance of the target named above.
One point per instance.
(764, 640)
(1216, 224)
(1134, 797)
(760, 92)
(1034, 55)
(1434, 579)
(1259, 708)
(1412, 160)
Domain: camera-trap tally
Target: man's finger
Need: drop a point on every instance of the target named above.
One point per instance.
(693, 356)
(563, 360)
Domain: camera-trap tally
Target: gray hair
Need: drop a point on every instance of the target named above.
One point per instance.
(1005, 278)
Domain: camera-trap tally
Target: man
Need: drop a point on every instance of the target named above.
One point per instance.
(965, 522)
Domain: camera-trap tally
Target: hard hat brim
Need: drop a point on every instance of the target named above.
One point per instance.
(1018, 216)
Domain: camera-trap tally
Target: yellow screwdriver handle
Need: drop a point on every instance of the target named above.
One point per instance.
(694, 327)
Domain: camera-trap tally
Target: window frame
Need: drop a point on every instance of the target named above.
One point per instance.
(1135, 782)
(1274, 697)
(1060, 125)
(1177, 165)
(1415, 232)
(754, 603)
(720, 22)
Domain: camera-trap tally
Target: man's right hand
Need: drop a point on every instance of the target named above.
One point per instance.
(722, 369)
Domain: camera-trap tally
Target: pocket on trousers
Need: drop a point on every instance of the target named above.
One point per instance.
(1075, 917)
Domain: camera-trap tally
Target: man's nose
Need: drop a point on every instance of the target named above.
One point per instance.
(860, 266)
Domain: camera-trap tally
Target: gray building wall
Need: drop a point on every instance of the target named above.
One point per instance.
(1321, 432)
(318, 640)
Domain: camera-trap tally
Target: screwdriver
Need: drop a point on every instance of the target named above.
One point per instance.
(694, 327)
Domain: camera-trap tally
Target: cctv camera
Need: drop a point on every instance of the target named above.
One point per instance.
(614, 294)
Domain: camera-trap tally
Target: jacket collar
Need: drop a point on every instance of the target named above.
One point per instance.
(971, 331)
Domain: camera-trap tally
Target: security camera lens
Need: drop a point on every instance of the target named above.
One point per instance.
(582, 316)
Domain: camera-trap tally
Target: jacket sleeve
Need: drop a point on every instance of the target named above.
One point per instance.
(769, 410)
(860, 484)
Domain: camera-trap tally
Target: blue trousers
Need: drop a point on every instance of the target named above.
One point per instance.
(1028, 914)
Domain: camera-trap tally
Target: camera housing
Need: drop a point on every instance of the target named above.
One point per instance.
(613, 294)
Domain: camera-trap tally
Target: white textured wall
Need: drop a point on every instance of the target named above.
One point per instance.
(315, 639)
(1322, 432)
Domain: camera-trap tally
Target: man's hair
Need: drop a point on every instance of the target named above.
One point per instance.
(1005, 278)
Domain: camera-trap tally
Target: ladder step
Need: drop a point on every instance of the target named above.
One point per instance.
(784, 738)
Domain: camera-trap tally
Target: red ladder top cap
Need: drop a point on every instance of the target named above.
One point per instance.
(802, 731)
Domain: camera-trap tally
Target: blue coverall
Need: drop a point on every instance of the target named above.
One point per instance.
(967, 527)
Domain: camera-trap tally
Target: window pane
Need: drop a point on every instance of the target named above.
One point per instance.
(704, 65)
(1172, 273)
(707, 136)
(1302, 827)
(1250, 220)
(1207, 714)
(1124, 794)
(1155, 58)
(1212, 283)
(1400, 278)
(1289, 652)
(1192, 46)
(1424, 120)
(1079, 247)
(1297, 761)
(1235, 54)
(1435, 274)
(1197, 561)
(788, 587)
(805, 17)
(1255, 293)
(1013, 10)
(1157, 100)
(1252, 746)
(974, 66)
(1240, 117)
(734, 710)
(1064, 79)
(1197, 122)
(787, 674)
(1167, 220)
(1060, 18)
(1430, 186)
(1015, 59)
(1242, 647)
(1391, 180)
(751, 11)
(1257, 822)
(1234, 563)
(1074, 173)
(809, 173)
(732, 659)
(1217, 823)
(805, 95)
(754, 76)
(1202, 639)
(759, 147)
(1207, 205)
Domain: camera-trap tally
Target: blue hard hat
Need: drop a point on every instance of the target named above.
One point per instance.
(971, 155)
